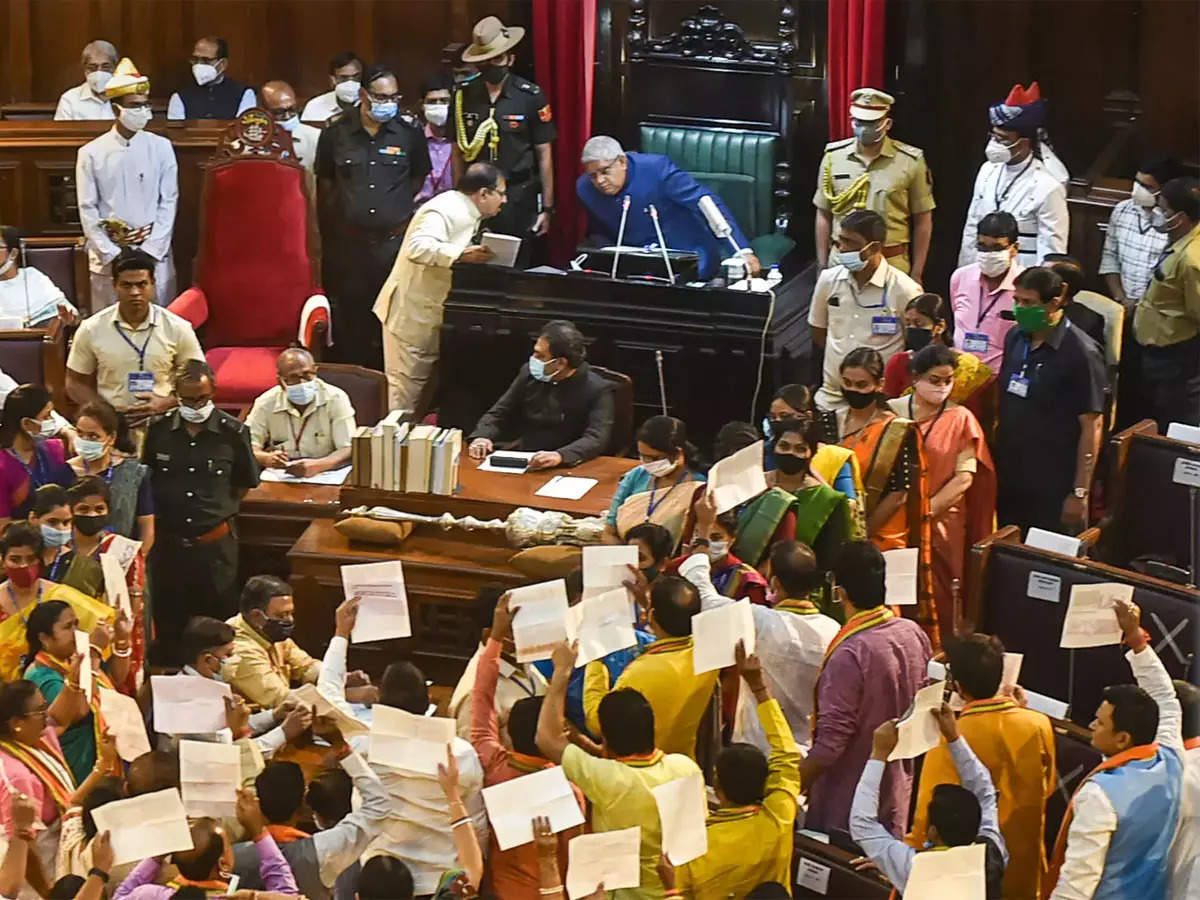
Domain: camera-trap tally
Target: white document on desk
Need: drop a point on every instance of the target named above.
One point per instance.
(956, 872)
(511, 806)
(486, 465)
(716, 633)
(402, 740)
(683, 813)
(124, 720)
(738, 477)
(606, 567)
(1091, 619)
(610, 858)
(148, 825)
(919, 732)
(188, 704)
(900, 575)
(383, 602)
(505, 246)
(541, 620)
(209, 777)
(566, 487)
(601, 624)
(330, 476)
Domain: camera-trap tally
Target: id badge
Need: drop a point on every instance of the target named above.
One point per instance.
(141, 382)
(975, 342)
(885, 325)
(1018, 385)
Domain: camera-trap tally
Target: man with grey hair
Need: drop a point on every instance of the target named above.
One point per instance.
(611, 175)
(87, 100)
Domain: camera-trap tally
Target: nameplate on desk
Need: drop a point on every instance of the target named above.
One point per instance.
(1044, 587)
(1187, 472)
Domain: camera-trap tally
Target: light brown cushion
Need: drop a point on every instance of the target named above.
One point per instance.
(373, 531)
(550, 561)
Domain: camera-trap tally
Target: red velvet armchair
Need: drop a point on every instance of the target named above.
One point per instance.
(256, 290)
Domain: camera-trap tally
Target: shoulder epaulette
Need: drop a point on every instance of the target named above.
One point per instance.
(836, 144)
(528, 86)
(908, 149)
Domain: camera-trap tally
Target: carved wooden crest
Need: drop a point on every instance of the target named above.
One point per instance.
(254, 135)
(708, 36)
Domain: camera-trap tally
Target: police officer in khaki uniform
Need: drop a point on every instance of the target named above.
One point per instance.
(873, 171)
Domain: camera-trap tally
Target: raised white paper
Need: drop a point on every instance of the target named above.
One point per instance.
(1189, 434)
(610, 858)
(956, 872)
(83, 646)
(937, 671)
(486, 465)
(606, 567)
(122, 549)
(813, 876)
(115, 586)
(401, 740)
(505, 246)
(1187, 472)
(1012, 670)
(209, 776)
(715, 636)
(144, 826)
(124, 720)
(900, 575)
(1055, 709)
(601, 624)
(188, 704)
(566, 487)
(383, 602)
(1041, 539)
(250, 759)
(737, 478)
(512, 805)
(1044, 587)
(919, 732)
(313, 698)
(540, 623)
(683, 813)
(1091, 619)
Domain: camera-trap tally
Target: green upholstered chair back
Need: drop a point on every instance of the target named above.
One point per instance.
(739, 166)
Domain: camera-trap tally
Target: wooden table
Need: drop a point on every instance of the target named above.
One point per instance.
(272, 518)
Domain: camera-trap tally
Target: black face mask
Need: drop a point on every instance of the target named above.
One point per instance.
(792, 465)
(276, 630)
(493, 74)
(917, 338)
(859, 399)
(90, 526)
(651, 572)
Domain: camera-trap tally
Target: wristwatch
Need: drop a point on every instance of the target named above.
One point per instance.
(99, 873)
(1081, 493)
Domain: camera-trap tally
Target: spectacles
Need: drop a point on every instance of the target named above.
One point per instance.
(194, 402)
(384, 98)
(40, 713)
(604, 172)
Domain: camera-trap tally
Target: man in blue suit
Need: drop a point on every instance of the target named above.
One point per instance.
(610, 174)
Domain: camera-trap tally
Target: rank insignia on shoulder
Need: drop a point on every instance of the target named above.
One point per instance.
(544, 113)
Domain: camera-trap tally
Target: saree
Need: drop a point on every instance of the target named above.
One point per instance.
(81, 741)
(13, 646)
(668, 507)
(817, 516)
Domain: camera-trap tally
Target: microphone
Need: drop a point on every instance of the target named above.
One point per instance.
(717, 223)
(662, 244)
(620, 237)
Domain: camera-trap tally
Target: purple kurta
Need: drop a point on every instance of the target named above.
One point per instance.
(870, 678)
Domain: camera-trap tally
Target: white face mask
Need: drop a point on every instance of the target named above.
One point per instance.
(933, 393)
(347, 91)
(135, 118)
(717, 549)
(1142, 195)
(993, 262)
(437, 113)
(204, 73)
(1160, 221)
(658, 468)
(997, 152)
(289, 124)
(197, 416)
(98, 81)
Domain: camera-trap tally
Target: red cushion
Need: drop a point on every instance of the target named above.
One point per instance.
(253, 265)
(242, 373)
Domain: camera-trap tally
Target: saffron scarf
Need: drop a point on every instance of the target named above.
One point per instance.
(99, 680)
(46, 762)
(856, 624)
(1133, 754)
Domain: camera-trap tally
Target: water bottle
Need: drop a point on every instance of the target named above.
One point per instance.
(774, 276)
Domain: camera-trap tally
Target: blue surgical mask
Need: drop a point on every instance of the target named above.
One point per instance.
(851, 259)
(53, 537)
(384, 112)
(303, 393)
(90, 450)
(537, 369)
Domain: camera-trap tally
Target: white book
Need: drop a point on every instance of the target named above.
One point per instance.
(398, 455)
(377, 457)
(452, 448)
(390, 424)
(419, 457)
(437, 460)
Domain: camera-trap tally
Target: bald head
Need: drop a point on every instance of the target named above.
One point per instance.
(294, 359)
(279, 98)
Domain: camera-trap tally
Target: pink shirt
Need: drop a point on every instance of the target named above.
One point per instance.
(440, 178)
(977, 312)
(18, 777)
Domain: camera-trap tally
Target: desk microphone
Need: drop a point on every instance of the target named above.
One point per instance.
(662, 244)
(717, 223)
(620, 237)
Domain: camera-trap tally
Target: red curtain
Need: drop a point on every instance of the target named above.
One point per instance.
(856, 47)
(564, 47)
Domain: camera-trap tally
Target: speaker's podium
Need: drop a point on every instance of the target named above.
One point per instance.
(637, 264)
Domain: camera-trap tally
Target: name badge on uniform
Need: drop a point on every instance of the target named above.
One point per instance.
(391, 151)
(975, 342)
(885, 325)
(1018, 385)
(141, 382)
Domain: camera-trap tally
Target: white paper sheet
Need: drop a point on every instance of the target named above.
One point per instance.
(1052, 541)
(566, 487)
(607, 857)
(123, 549)
(1178, 431)
(486, 465)
(716, 633)
(250, 759)
(511, 806)
(683, 812)
(188, 704)
(83, 646)
(738, 477)
(900, 575)
(115, 586)
(383, 610)
(919, 730)
(1091, 619)
(209, 777)
(541, 620)
(313, 698)
(606, 567)
(124, 720)
(601, 624)
(1012, 670)
(956, 872)
(356, 767)
(401, 740)
(330, 476)
(1055, 709)
(505, 246)
(149, 825)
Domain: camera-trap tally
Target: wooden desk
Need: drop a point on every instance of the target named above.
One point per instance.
(272, 518)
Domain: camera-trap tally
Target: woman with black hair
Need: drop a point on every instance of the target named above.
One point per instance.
(928, 319)
(31, 457)
(105, 448)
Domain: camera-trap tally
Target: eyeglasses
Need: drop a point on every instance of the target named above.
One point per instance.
(194, 402)
(40, 713)
(384, 98)
(604, 172)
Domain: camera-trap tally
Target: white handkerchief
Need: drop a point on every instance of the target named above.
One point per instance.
(919, 732)
(957, 872)
(716, 633)
(511, 806)
(610, 858)
(401, 740)
(601, 624)
(900, 574)
(383, 602)
(737, 478)
(683, 812)
(124, 720)
(115, 586)
(606, 567)
(144, 826)
(1091, 619)
(541, 621)
(209, 776)
(188, 704)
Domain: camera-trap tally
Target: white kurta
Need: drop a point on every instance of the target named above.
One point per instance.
(134, 180)
(1036, 199)
(320, 108)
(80, 103)
(30, 297)
(304, 139)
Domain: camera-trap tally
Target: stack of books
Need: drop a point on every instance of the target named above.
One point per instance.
(396, 455)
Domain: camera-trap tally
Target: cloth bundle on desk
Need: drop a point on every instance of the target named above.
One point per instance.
(373, 531)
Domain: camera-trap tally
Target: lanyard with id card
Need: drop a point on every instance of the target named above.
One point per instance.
(976, 342)
(141, 381)
(1018, 383)
(885, 324)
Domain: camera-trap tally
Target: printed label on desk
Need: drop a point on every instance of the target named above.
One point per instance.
(813, 876)
(975, 342)
(1044, 587)
(141, 382)
(1187, 471)
(885, 325)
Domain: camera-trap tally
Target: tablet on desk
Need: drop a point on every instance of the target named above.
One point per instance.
(504, 246)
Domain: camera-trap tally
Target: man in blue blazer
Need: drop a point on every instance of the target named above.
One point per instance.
(610, 174)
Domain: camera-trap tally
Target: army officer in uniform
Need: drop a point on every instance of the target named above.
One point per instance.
(505, 119)
(873, 171)
(201, 466)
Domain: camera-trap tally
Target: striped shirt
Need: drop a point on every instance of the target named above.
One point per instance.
(1131, 248)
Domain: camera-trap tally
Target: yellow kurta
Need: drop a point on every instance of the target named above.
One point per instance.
(663, 675)
(1017, 747)
(264, 672)
(748, 845)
